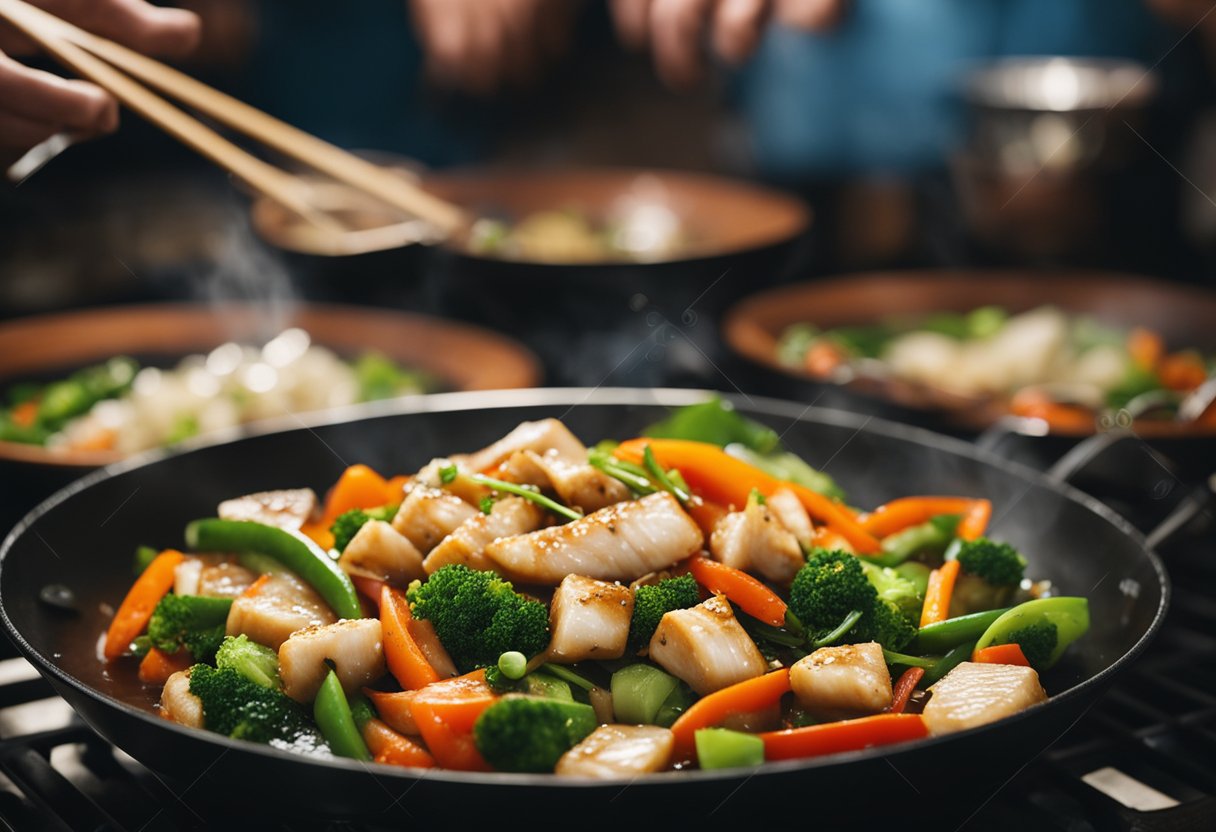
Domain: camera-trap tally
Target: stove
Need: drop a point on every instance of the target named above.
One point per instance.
(1142, 758)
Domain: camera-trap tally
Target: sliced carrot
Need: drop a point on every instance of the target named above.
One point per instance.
(721, 478)
(902, 692)
(358, 487)
(404, 657)
(825, 538)
(705, 514)
(395, 709)
(849, 735)
(394, 489)
(753, 597)
(1182, 371)
(25, 414)
(370, 589)
(445, 712)
(157, 666)
(1145, 347)
(975, 520)
(319, 533)
(749, 696)
(254, 588)
(937, 595)
(1001, 654)
(823, 358)
(143, 596)
(1033, 403)
(388, 746)
(898, 515)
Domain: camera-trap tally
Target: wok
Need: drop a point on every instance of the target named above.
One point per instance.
(83, 538)
(1182, 314)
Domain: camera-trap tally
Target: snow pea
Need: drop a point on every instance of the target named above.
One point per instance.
(1070, 615)
(333, 715)
(940, 637)
(291, 549)
(932, 536)
(948, 662)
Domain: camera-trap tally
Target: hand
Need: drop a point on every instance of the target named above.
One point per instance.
(676, 30)
(35, 105)
(481, 45)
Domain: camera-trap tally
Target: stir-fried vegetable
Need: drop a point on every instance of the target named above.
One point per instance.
(648, 634)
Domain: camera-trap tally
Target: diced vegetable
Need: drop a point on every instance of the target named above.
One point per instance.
(723, 748)
(639, 691)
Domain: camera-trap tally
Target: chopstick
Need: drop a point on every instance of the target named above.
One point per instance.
(81, 51)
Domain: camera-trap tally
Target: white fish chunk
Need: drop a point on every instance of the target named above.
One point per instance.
(975, 694)
(612, 751)
(224, 579)
(706, 647)
(851, 677)
(288, 509)
(755, 540)
(589, 619)
(461, 486)
(428, 515)
(793, 515)
(282, 605)
(178, 703)
(618, 543)
(378, 551)
(576, 484)
(508, 517)
(355, 646)
(186, 576)
(541, 436)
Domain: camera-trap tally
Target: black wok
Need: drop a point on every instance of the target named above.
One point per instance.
(84, 536)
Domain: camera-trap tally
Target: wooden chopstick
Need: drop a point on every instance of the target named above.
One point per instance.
(325, 157)
(288, 190)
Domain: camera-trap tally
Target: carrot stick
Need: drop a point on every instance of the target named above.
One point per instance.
(1182, 371)
(721, 478)
(404, 657)
(445, 712)
(394, 489)
(157, 666)
(143, 596)
(975, 520)
(747, 696)
(358, 487)
(825, 538)
(937, 595)
(898, 515)
(903, 689)
(753, 597)
(369, 588)
(388, 746)
(395, 709)
(849, 735)
(705, 514)
(1001, 654)
(254, 588)
(1145, 347)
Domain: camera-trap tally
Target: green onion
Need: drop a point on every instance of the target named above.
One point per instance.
(844, 626)
(527, 492)
(660, 476)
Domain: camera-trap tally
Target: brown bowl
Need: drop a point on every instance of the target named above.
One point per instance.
(753, 327)
(460, 356)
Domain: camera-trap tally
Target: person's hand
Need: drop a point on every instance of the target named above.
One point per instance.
(481, 45)
(35, 105)
(678, 31)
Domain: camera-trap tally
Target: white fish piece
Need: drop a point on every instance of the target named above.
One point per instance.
(975, 694)
(288, 508)
(755, 540)
(378, 551)
(850, 677)
(577, 484)
(424, 635)
(354, 645)
(178, 703)
(224, 579)
(541, 436)
(186, 576)
(793, 515)
(428, 515)
(612, 751)
(706, 647)
(461, 486)
(589, 619)
(282, 605)
(618, 543)
(508, 517)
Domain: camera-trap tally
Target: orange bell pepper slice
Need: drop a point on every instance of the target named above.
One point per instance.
(143, 596)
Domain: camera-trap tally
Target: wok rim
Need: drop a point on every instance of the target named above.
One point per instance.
(576, 397)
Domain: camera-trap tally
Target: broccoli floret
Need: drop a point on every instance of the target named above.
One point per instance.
(651, 603)
(1038, 642)
(243, 709)
(895, 589)
(529, 733)
(195, 622)
(347, 525)
(478, 616)
(831, 585)
(998, 564)
(886, 624)
(254, 661)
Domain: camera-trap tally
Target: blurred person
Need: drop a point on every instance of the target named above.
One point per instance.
(35, 104)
